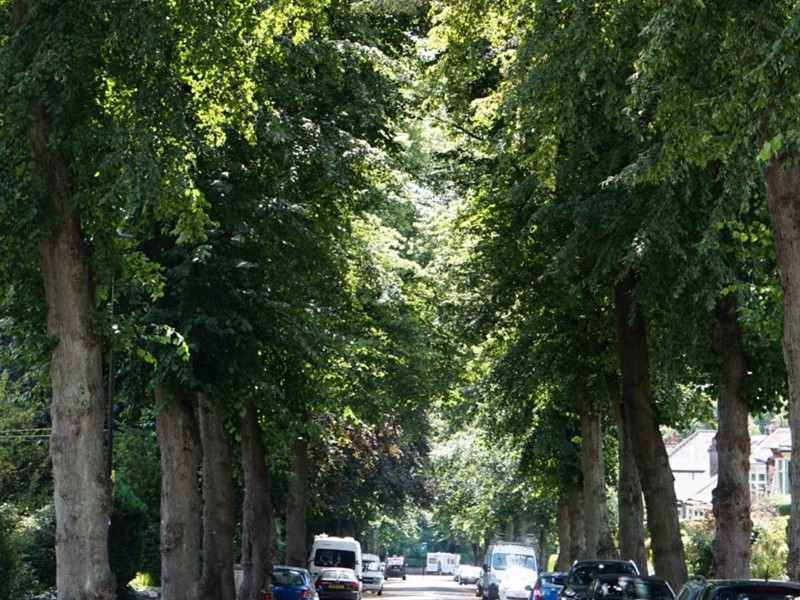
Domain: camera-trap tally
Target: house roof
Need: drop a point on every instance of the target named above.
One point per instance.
(691, 455)
(762, 447)
(700, 493)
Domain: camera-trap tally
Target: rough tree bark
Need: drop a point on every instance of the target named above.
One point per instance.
(651, 454)
(731, 497)
(296, 506)
(82, 486)
(258, 531)
(783, 197)
(595, 509)
(216, 581)
(629, 493)
(577, 541)
(179, 441)
(564, 560)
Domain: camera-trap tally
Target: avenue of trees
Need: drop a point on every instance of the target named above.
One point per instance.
(326, 264)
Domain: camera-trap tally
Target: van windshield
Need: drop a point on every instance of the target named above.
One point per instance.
(332, 557)
(501, 562)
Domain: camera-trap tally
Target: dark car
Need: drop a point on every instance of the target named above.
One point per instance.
(700, 588)
(395, 567)
(629, 587)
(548, 585)
(292, 583)
(338, 584)
(582, 572)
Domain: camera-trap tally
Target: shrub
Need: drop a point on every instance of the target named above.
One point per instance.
(125, 535)
(769, 549)
(9, 560)
(38, 544)
(697, 542)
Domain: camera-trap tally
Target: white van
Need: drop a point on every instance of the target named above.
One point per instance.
(500, 557)
(330, 551)
(372, 574)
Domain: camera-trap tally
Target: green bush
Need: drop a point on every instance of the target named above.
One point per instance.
(38, 544)
(125, 535)
(9, 559)
(697, 542)
(769, 550)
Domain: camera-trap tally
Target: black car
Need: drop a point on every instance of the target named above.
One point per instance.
(394, 567)
(629, 587)
(583, 572)
(701, 588)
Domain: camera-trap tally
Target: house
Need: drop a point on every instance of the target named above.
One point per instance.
(695, 462)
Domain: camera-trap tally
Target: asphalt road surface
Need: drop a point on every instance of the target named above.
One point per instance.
(428, 587)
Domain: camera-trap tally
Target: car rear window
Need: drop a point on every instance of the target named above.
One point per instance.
(287, 578)
(761, 592)
(332, 557)
(582, 575)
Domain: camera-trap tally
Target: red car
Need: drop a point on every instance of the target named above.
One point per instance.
(338, 584)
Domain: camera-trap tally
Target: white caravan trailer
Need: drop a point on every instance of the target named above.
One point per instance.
(442, 563)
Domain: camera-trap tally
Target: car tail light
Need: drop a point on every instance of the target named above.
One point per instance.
(537, 590)
(353, 585)
(267, 595)
(318, 582)
(305, 593)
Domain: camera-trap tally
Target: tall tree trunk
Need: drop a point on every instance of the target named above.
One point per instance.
(629, 493)
(82, 486)
(577, 541)
(258, 531)
(731, 497)
(296, 506)
(216, 581)
(563, 527)
(783, 197)
(651, 456)
(595, 511)
(178, 439)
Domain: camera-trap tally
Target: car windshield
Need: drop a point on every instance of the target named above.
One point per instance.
(373, 565)
(500, 562)
(582, 575)
(633, 589)
(765, 593)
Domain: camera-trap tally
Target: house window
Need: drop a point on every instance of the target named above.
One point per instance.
(758, 482)
(781, 476)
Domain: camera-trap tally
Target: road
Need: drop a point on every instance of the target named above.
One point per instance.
(429, 587)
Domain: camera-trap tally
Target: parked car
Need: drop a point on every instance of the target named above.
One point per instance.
(516, 583)
(629, 587)
(372, 574)
(292, 583)
(582, 572)
(395, 567)
(701, 588)
(469, 574)
(338, 584)
(548, 586)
